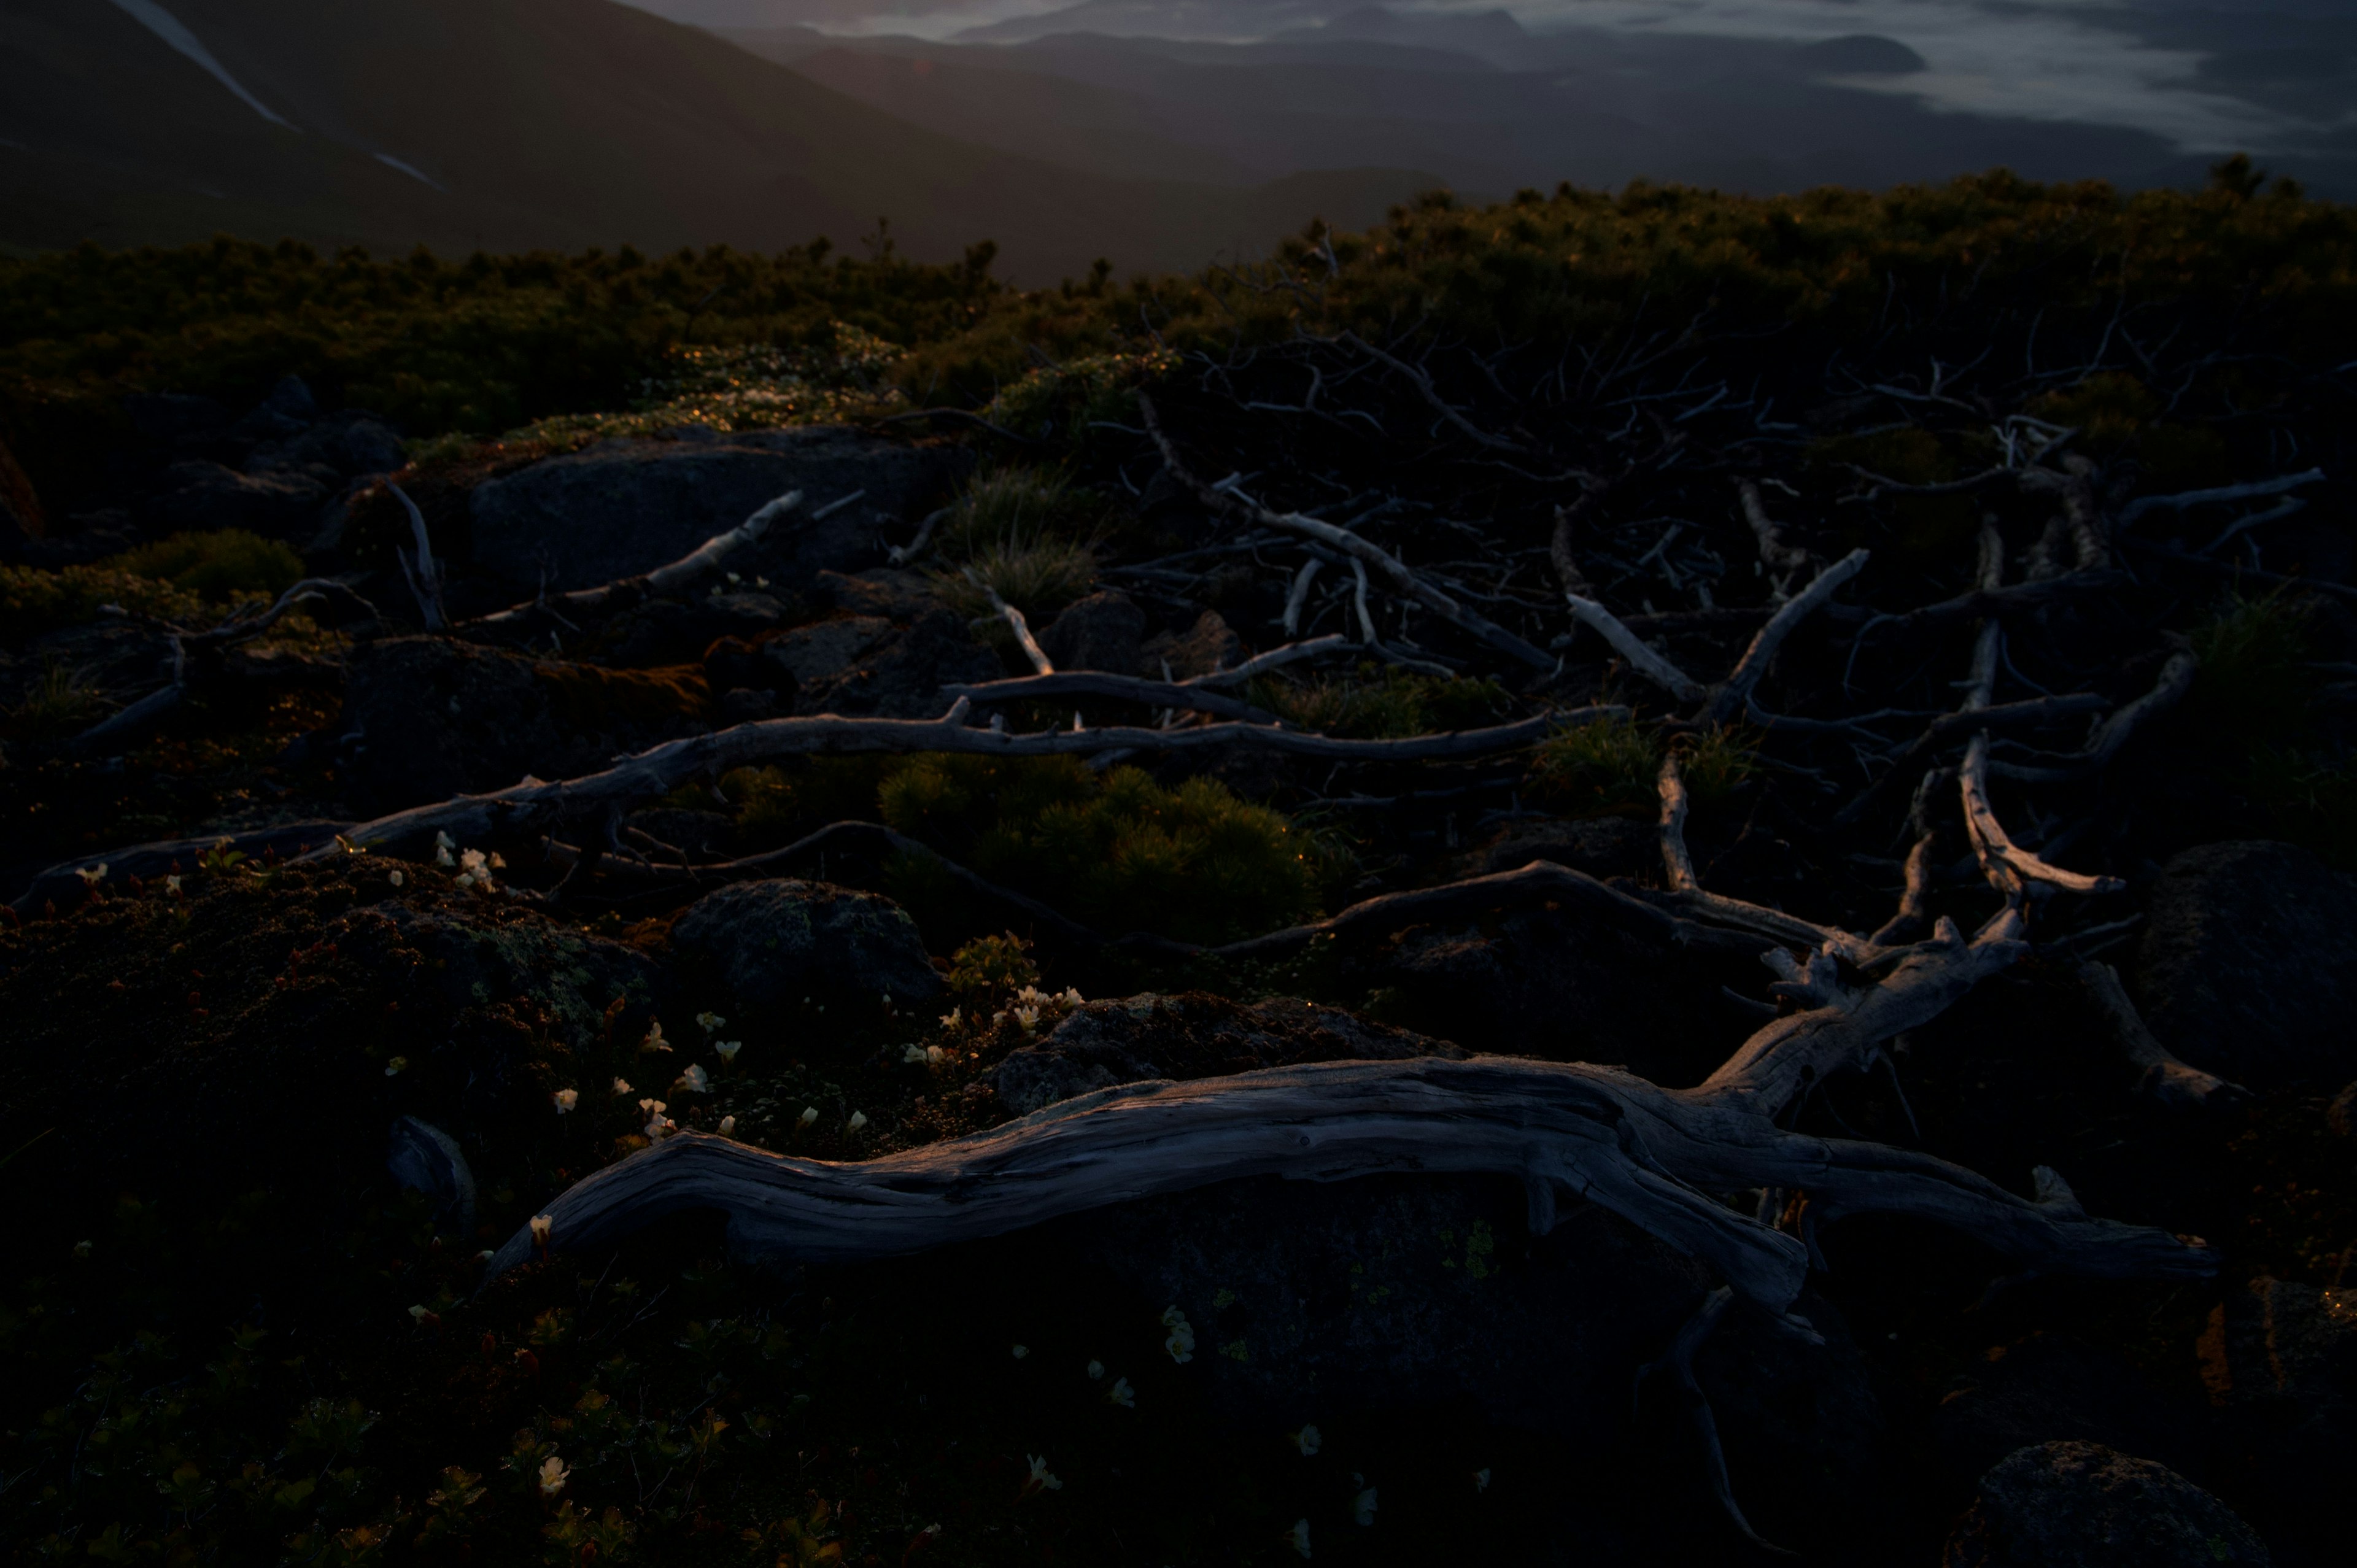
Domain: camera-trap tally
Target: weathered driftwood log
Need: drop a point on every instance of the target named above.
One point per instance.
(1566, 1131)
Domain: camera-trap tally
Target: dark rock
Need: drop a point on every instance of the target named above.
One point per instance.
(176, 417)
(1207, 646)
(677, 631)
(743, 705)
(423, 1158)
(773, 943)
(1601, 847)
(426, 718)
(1102, 631)
(2081, 1505)
(352, 443)
(734, 661)
(2279, 1359)
(1326, 1302)
(1567, 983)
(896, 596)
(824, 650)
(628, 506)
(2248, 965)
(1194, 1034)
(201, 496)
(2049, 1388)
(902, 677)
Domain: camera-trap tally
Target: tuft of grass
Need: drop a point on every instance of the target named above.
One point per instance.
(1602, 769)
(1381, 702)
(1036, 574)
(1715, 763)
(222, 565)
(2254, 683)
(63, 701)
(1029, 533)
(1118, 851)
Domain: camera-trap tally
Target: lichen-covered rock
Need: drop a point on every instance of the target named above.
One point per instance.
(824, 649)
(2081, 1505)
(1601, 847)
(1194, 1034)
(1102, 631)
(773, 943)
(202, 496)
(901, 676)
(2248, 965)
(1207, 646)
(426, 718)
(629, 506)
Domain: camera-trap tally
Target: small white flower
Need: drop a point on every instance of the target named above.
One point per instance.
(950, 1019)
(1030, 995)
(913, 1054)
(91, 875)
(654, 1041)
(1362, 1508)
(734, 579)
(727, 1126)
(444, 840)
(542, 1225)
(83, 1249)
(1020, 1350)
(653, 1107)
(1307, 1440)
(858, 1119)
(566, 1098)
(726, 1050)
(392, 1068)
(498, 860)
(1481, 1479)
(1071, 997)
(1028, 1016)
(708, 1022)
(395, 877)
(1181, 1341)
(622, 1086)
(808, 1117)
(1096, 1371)
(1299, 1536)
(935, 1055)
(423, 1315)
(485, 1256)
(442, 844)
(172, 882)
(553, 1475)
(1040, 1475)
(1122, 1394)
(694, 1080)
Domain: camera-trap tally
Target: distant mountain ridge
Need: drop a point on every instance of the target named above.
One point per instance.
(511, 124)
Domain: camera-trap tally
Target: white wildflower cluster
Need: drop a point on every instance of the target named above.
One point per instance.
(1122, 1394)
(1040, 1478)
(474, 866)
(1181, 1340)
(659, 1126)
(694, 1080)
(566, 1098)
(929, 1056)
(1308, 1440)
(654, 1042)
(1029, 1003)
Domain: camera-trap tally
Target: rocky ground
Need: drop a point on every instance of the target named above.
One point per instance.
(275, 1103)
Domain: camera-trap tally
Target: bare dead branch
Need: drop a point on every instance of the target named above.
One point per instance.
(1733, 696)
(705, 559)
(2163, 1077)
(1099, 684)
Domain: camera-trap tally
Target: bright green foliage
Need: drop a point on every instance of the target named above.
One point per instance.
(1382, 702)
(1119, 852)
(220, 566)
(1029, 535)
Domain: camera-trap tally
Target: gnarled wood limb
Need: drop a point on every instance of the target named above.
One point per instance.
(1274, 659)
(1098, 683)
(1947, 726)
(1632, 648)
(1014, 618)
(2165, 1078)
(705, 559)
(2168, 689)
(534, 803)
(2011, 869)
(1351, 544)
(1733, 695)
(1595, 1133)
(1782, 561)
(1675, 859)
(1422, 380)
(2185, 499)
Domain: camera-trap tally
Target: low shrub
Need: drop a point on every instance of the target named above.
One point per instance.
(220, 566)
(1380, 702)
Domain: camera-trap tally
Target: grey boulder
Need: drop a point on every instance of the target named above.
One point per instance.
(2248, 965)
(623, 507)
(773, 943)
(1102, 631)
(2081, 1505)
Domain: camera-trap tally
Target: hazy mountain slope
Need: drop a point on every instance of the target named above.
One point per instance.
(562, 122)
